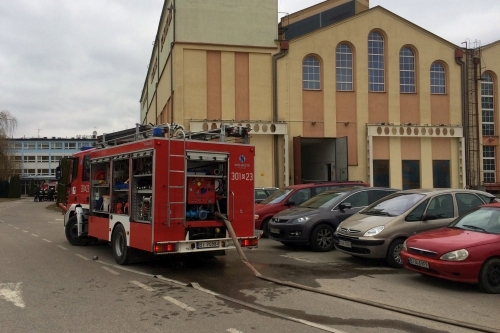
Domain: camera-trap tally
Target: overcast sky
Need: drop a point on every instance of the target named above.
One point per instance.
(69, 67)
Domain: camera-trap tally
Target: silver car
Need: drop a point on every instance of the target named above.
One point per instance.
(379, 230)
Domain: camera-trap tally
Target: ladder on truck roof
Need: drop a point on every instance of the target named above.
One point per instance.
(144, 131)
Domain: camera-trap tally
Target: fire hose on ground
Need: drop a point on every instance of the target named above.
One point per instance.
(350, 298)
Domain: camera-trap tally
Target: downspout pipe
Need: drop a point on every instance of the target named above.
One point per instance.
(283, 52)
(174, 19)
(157, 44)
(459, 54)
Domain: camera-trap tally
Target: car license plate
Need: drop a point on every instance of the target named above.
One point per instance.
(419, 263)
(205, 245)
(274, 230)
(344, 243)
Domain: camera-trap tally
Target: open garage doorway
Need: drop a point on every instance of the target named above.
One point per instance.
(319, 159)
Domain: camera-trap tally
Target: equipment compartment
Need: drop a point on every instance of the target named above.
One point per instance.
(142, 186)
(100, 187)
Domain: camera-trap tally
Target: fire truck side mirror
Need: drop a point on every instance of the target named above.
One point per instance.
(58, 173)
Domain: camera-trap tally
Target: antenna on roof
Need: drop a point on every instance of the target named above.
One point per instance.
(38, 129)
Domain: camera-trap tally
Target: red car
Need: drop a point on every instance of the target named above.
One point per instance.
(467, 250)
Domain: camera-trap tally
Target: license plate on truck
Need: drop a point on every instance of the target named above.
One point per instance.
(344, 243)
(419, 263)
(206, 245)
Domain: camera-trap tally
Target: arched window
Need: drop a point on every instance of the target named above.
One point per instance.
(376, 81)
(311, 74)
(487, 105)
(406, 70)
(438, 81)
(344, 67)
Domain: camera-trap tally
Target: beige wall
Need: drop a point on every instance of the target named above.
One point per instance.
(228, 22)
(348, 113)
(227, 83)
(222, 69)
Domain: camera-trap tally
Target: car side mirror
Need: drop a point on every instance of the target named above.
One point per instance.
(428, 217)
(345, 205)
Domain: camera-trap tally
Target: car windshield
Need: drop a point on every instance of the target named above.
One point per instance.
(323, 200)
(277, 196)
(484, 219)
(393, 205)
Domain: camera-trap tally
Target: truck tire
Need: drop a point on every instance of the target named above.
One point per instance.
(321, 239)
(119, 245)
(71, 231)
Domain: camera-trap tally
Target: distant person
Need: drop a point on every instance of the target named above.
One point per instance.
(40, 194)
(37, 192)
(51, 194)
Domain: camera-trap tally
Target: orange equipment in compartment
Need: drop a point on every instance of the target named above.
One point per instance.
(201, 190)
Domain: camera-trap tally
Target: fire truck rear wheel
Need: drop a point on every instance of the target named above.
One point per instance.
(71, 231)
(119, 245)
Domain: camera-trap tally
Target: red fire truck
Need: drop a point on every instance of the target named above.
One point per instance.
(162, 190)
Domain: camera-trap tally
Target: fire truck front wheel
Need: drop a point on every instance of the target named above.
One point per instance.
(119, 245)
(71, 231)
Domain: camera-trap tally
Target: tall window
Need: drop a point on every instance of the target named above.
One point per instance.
(406, 70)
(311, 74)
(344, 67)
(438, 82)
(376, 62)
(489, 164)
(487, 105)
(411, 174)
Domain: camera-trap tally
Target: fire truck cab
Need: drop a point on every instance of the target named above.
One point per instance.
(162, 190)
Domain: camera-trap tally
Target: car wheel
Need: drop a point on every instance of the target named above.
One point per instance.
(393, 257)
(265, 228)
(71, 231)
(489, 276)
(119, 245)
(322, 238)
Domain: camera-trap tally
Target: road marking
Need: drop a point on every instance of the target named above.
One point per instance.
(34, 235)
(47, 240)
(11, 292)
(233, 330)
(79, 255)
(295, 258)
(62, 247)
(179, 304)
(110, 270)
(16, 228)
(142, 285)
(25, 230)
